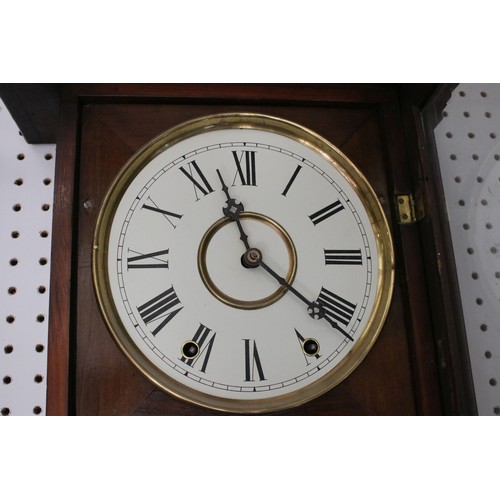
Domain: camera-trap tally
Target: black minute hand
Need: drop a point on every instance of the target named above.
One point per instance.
(315, 309)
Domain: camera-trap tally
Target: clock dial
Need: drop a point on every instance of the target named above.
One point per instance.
(243, 263)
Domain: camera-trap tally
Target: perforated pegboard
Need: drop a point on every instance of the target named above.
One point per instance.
(26, 193)
(468, 144)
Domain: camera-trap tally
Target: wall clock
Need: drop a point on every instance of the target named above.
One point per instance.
(243, 263)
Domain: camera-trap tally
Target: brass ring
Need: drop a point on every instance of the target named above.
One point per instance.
(232, 301)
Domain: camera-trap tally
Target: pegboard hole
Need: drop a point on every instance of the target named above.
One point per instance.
(7, 379)
(453, 157)
(20, 156)
(458, 179)
(470, 251)
(470, 135)
(12, 290)
(493, 250)
(14, 234)
(47, 181)
(493, 135)
(39, 348)
(16, 207)
(13, 262)
(487, 354)
(461, 203)
(487, 114)
(48, 156)
(40, 318)
(479, 179)
(483, 94)
(461, 93)
(449, 135)
(496, 410)
(497, 157)
(489, 225)
(479, 301)
(10, 319)
(43, 261)
(44, 234)
(38, 379)
(475, 276)
(45, 207)
(484, 202)
(493, 382)
(18, 182)
(466, 114)
(41, 289)
(5, 411)
(37, 410)
(497, 274)
(466, 226)
(484, 327)
(475, 157)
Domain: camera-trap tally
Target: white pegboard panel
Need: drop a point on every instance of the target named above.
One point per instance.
(26, 193)
(468, 144)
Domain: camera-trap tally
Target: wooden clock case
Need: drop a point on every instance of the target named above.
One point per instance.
(419, 364)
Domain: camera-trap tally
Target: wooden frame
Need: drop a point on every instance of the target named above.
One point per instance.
(441, 371)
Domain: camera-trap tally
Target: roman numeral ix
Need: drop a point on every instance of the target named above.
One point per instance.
(151, 260)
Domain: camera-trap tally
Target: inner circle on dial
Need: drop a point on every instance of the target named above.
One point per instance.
(220, 267)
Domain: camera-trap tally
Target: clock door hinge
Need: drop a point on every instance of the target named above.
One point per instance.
(410, 208)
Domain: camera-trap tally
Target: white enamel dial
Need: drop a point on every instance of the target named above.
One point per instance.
(180, 301)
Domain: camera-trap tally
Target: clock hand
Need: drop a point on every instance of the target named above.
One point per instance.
(233, 211)
(315, 309)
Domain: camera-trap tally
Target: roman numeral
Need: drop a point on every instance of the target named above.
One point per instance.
(160, 307)
(204, 338)
(336, 307)
(326, 212)
(252, 361)
(301, 339)
(140, 260)
(153, 207)
(292, 180)
(200, 183)
(247, 177)
(343, 257)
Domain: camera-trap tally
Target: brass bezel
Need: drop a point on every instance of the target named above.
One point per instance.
(338, 161)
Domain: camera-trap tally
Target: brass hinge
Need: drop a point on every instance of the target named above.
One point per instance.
(410, 208)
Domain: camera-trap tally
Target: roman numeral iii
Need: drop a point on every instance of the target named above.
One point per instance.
(343, 257)
(161, 307)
